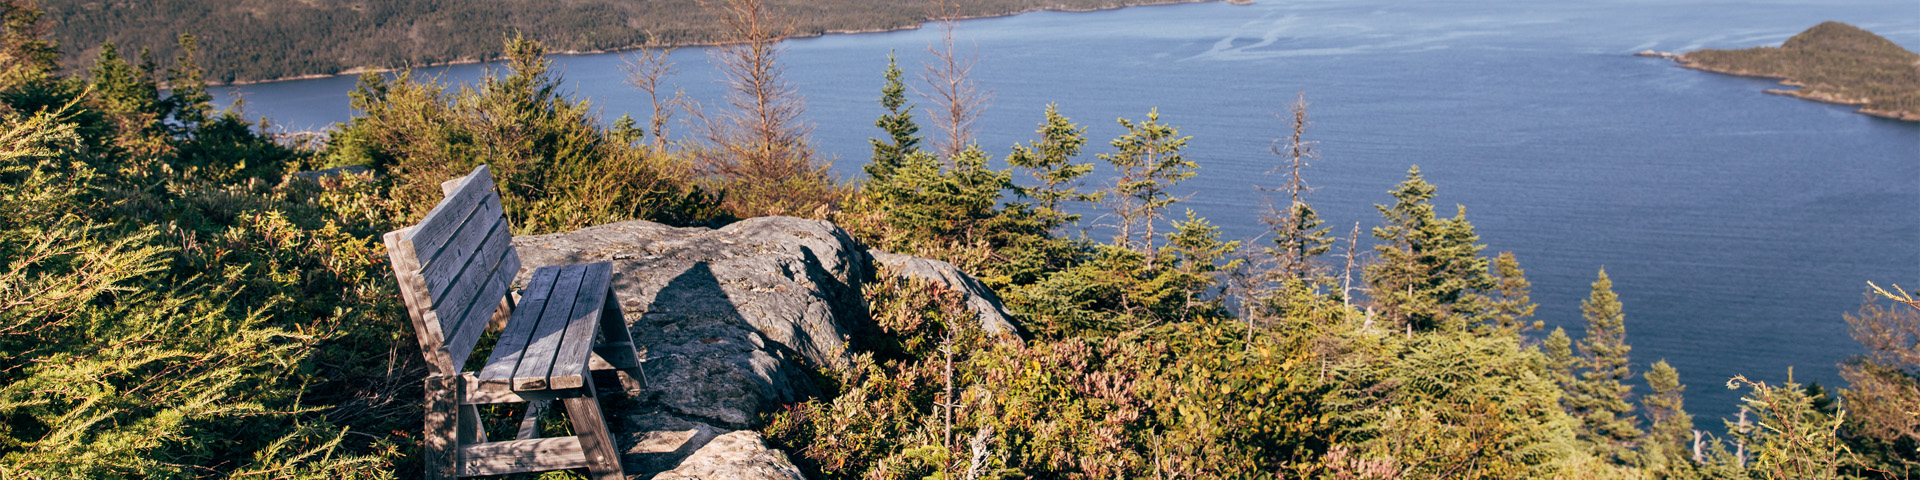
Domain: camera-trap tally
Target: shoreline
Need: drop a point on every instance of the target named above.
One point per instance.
(911, 26)
(1799, 91)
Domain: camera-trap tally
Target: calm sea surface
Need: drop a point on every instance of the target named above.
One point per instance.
(1737, 226)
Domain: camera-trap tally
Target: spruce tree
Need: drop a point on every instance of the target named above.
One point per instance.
(191, 103)
(1428, 265)
(1149, 163)
(1601, 402)
(1510, 303)
(1665, 451)
(1561, 363)
(1050, 161)
(902, 133)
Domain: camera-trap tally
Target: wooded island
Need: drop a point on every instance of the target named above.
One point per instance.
(1832, 62)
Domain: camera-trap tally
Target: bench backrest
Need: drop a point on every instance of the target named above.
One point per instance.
(454, 269)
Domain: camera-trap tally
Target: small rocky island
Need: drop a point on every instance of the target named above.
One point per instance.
(1832, 62)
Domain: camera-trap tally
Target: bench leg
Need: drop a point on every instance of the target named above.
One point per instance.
(530, 423)
(613, 327)
(440, 445)
(471, 430)
(603, 460)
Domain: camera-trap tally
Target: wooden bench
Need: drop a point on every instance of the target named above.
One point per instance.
(454, 269)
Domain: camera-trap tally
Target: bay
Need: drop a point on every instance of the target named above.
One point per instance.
(1737, 227)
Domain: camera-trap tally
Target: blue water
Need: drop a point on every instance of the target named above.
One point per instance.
(1737, 226)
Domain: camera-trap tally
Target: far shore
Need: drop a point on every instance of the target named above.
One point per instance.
(1786, 81)
(914, 26)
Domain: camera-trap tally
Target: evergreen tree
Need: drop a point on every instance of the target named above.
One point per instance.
(1601, 393)
(129, 96)
(1428, 265)
(902, 133)
(1561, 363)
(1149, 163)
(1050, 161)
(1510, 303)
(626, 130)
(191, 103)
(1197, 247)
(25, 53)
(1664, 451)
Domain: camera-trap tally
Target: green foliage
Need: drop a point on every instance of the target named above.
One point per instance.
(1178, 400)
(1789, 438)
(1884, 389)
(556, 169)
(1664, 451)
(1509, 304)
(1148, 161)
(1049, 161)
(1599, 397)
(1429, 268)
(1454, 405)
(169, 315)
(902, 140)
(1836, 62)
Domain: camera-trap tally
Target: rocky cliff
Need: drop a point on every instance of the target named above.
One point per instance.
(730, 322)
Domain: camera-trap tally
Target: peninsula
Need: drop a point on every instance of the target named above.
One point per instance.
(245, 41)
(1832, 62)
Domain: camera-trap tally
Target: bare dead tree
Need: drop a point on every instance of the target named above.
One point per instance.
(954, 101)
(1346, 278)
(758, 149)
(1297, 235)
(645, 71)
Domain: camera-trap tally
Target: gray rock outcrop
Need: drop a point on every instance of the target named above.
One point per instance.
(725, 317)
(739, 455)
(728, 321)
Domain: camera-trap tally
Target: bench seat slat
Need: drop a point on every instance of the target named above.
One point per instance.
(570, 362)
(519, 329)
(537, 363)
(440, 223)
(442, 267)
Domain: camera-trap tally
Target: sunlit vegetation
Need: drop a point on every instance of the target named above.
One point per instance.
(175, 304)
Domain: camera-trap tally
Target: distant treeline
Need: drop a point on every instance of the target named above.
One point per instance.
(248, 40)
(1832, 62)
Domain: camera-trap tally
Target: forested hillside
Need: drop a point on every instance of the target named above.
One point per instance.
(176, 305)
(1831, 62)
(249, 40)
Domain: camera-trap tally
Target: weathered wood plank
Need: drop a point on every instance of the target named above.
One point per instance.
(441, 265)
(530, 421)
(440, 444)
(413, 289)
(489, 394)
(603, 462)
(537, 363)
(464, 289)
(515, 456)
(609, 356)
(468, 333)
(438, 226)
(576, 344)
(519, 330)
